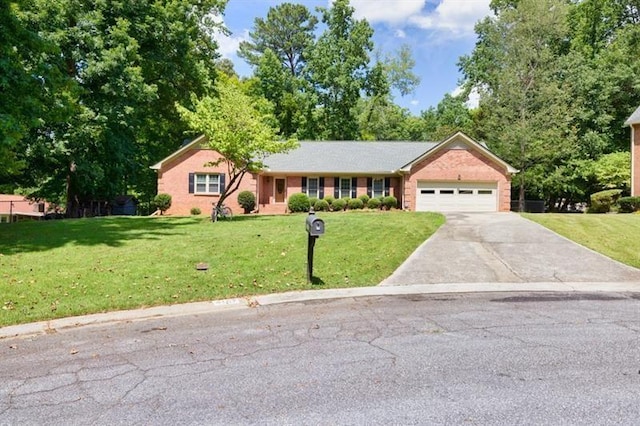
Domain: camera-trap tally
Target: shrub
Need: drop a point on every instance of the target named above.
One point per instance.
(162, 202)
(329, 199)
(247, 201)
(195, 211)
(628, 204)
(299, 203)
(355, 204)
(374, 204)
(321, 206)
(313, 201)
(364, 198)
(390, 202)
(602, 201)
(339, 204)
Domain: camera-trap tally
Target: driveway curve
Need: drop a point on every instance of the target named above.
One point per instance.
(504, 248)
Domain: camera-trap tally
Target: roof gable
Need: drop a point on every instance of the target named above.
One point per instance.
(459, 140)
(187, 147)
(634, 118)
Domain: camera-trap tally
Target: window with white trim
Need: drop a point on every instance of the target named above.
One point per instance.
(378, 188)
(207, 184)
(345, 188)
(313, 187)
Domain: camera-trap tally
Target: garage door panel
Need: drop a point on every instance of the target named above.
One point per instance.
(457, 196)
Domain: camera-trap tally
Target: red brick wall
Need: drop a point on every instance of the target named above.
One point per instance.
(173, 179)
(459, 164)
(635, 162)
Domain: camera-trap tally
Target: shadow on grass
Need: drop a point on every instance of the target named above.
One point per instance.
(317, 281)
(110, 231)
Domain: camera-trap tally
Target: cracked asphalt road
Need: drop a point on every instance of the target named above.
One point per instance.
(496, 358)
(504, 248)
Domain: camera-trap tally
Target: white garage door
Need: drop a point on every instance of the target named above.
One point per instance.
(457, 196)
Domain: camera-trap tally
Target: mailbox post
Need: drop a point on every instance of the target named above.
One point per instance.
(315, 228)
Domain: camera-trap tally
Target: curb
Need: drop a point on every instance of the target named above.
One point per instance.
(195, 308)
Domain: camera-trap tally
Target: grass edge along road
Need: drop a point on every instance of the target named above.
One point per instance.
(614, 235)
(55, 269)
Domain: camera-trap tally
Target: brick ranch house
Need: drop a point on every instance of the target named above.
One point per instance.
(456, 174)
(634, 122)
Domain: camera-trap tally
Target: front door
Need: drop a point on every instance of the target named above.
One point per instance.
(280, 184)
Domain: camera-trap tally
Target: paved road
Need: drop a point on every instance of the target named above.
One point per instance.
(504, 248)
(417, 359)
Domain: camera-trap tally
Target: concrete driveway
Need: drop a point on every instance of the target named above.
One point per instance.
(504, 248)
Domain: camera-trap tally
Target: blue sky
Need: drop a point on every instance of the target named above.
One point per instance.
(438, 32)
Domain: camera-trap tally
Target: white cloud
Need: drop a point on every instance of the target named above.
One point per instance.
(473, 100)
(228, 43)
(389, 11)
(400, 34)
(456, 17)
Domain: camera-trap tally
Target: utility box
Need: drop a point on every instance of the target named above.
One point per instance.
(315, 225)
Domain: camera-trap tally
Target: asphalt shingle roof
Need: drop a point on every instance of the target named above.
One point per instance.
(634, 119)
(347, 157)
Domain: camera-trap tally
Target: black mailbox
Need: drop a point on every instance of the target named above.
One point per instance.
(315, 225)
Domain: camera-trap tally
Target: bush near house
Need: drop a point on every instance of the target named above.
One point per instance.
(628, 204)
(355, 204)
(374, 204)
(195, 211)
(299, 203)
(321, 206)
(602, 201)
(365, 199)
(389, 202)
(247, 201)
(339, 204)
(329, 199)
(162, 202)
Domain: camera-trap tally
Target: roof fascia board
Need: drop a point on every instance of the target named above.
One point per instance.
(179, 152)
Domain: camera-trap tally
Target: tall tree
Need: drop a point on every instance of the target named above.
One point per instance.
(287, 32)
(517, 64)
(238, 127)
(127, 63)
(339, 68)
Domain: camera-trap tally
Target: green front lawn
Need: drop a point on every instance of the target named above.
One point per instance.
(614, 235)
(70, 267)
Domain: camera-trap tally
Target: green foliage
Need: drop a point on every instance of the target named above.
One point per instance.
(339, 204)
(195, 211)
(162, 202)
(628, 204)
(247, 201)
(321, 206)
(374, 204)
(298, 203)
(602, 201)
(364, 198)
(613, 170)
(313, 200)
(238, 127)
(389, 202)
(355, 204)
(329, 199)
(338, 67)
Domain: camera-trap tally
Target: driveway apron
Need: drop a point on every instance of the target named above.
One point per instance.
(504, 247)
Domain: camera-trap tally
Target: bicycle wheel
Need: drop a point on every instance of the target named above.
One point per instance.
(226, 213)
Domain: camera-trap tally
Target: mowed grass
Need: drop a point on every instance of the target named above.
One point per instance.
(63, 268)
(614, 235)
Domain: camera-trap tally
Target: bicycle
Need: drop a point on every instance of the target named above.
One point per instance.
(221, 212)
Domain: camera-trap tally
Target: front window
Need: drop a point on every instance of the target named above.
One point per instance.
(313, 187)
(378, 187)
(207, 184)
(345, 187)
